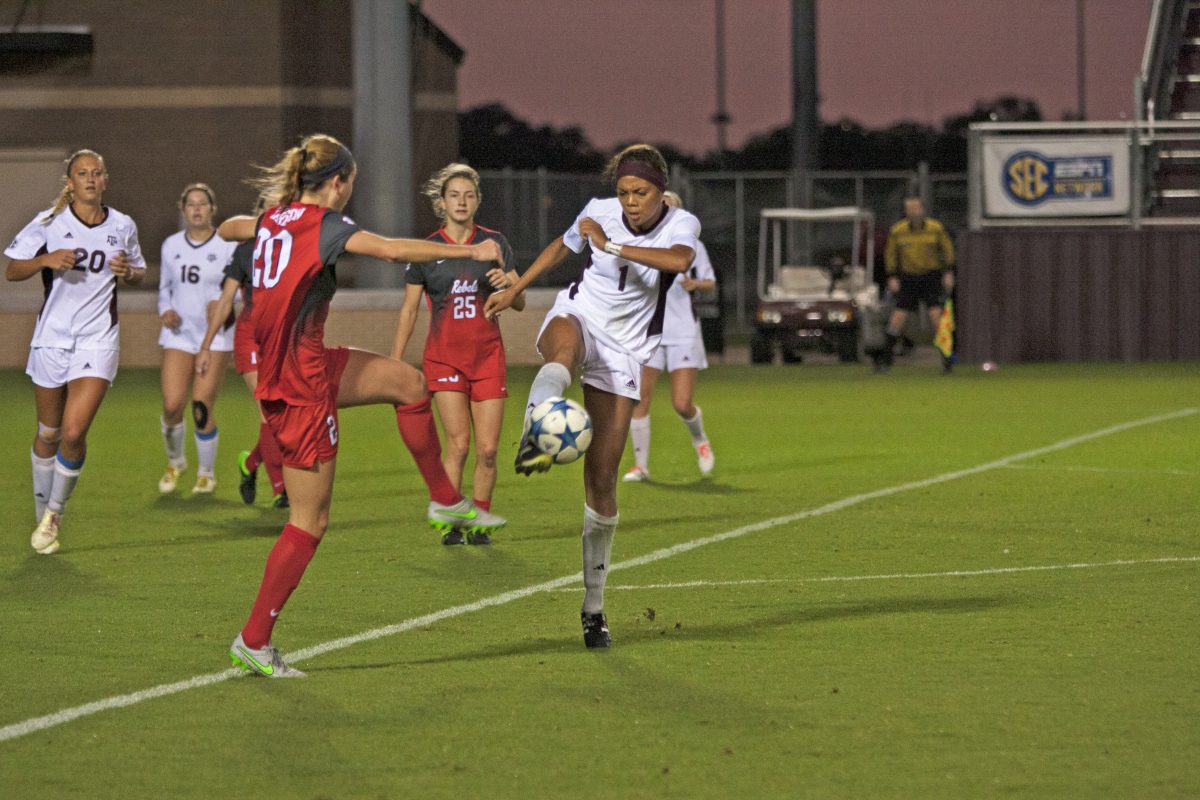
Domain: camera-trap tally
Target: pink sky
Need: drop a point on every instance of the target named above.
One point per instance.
(644, 69)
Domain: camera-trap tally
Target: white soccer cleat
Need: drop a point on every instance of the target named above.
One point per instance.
(45, 536)
(264, 661)
(705, 457)
(465, 516)
(636, 475)
(205, 484)
(170, 479)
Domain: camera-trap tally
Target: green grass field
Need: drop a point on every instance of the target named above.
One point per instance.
(981, 586)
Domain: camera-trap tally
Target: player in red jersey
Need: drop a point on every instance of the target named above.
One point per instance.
(302, 384)
(464, 361)
(245, 360)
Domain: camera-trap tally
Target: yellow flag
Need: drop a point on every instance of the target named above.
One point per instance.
(944, 340)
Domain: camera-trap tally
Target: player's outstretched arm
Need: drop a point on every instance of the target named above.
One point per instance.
(554, 254)
(365, 243)
(676, 258)
(238, 229)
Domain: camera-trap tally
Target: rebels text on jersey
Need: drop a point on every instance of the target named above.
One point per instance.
(682, 324)
(293, 278)
(191, 278)
(456, 289)
(624, 302)
(79, 310)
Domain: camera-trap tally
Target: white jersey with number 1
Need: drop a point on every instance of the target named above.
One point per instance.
(624, 302)
(191, 278)
(80, 307)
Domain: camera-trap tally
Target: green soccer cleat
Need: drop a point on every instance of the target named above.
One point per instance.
(247, 479)
(265, 661)
(531, 460)
(465, 516)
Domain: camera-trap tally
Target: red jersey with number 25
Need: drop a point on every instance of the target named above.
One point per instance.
(293, 277)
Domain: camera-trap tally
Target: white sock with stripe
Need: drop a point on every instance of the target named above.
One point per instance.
(598, 533)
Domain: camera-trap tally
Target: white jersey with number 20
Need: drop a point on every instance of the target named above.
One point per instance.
(80, 307)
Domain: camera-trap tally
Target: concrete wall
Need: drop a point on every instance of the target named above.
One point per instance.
(359, 318)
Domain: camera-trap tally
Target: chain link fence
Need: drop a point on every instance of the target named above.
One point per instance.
(533, 207)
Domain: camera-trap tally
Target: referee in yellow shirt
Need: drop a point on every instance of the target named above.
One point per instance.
(919, 258)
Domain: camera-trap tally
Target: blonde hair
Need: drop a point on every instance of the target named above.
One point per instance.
(198, 187)
(65, 195)
(435, 187)
(672, 199)
(646, 154)
(315, 160)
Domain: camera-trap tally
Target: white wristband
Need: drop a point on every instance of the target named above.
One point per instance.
(612, 249)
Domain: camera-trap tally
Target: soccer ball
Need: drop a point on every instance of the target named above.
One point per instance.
(561, 429)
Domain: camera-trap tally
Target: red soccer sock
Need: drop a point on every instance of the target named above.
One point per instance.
(254, 459)
(485, 505)
(420, 437)
(272, 459)
(285, 567)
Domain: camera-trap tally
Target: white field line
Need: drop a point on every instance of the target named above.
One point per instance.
(35, 724)
(1126, 471)
(899, 576)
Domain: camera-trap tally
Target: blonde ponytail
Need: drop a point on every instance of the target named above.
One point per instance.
(318, 158)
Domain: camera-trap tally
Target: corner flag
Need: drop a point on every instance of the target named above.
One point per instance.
(944, 339)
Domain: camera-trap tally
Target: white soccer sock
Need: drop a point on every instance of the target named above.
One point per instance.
(173, 441)
(66, 475)
(695, 427)
(598, 533)
(639, 434)
(43, 480)
(552, 380)
(206, 452)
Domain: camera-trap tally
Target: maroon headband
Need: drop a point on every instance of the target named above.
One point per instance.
(639, 170)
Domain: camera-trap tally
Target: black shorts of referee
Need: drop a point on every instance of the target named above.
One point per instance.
(925, 288)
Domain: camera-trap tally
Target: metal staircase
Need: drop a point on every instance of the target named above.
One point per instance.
(1168, 103)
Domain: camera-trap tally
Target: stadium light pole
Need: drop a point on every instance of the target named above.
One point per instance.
(383, 139)
(1080, 62)
(721, 119)
(804, 110)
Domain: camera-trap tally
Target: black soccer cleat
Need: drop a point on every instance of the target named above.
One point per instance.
(478, 538)
(452, 537)
(531, 460)
(595, 631)
(248, 479)
(281, 500)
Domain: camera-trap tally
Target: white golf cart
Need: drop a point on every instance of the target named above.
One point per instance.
(810, 307)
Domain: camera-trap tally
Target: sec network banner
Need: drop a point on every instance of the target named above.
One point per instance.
(1060, 176)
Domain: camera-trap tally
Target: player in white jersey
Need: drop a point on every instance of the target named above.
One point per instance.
(82, 249)
(193, 267)
(681, 354)
(607, 324)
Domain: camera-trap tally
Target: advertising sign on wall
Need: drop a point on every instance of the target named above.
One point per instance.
(1060, 176)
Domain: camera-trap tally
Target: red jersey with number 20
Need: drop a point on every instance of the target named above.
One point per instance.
(293, 277)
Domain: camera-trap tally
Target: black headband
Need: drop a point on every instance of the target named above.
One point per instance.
(340, 162)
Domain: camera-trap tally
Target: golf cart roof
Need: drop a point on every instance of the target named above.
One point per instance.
(840, 214)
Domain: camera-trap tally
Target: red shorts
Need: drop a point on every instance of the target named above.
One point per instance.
(308, 435)
(245, 350)
(487, 382)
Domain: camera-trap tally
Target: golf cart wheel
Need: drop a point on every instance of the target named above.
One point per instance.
(762, 351)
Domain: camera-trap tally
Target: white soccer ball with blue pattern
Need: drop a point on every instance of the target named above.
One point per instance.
(561, 429)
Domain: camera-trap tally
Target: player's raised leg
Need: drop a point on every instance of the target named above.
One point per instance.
(561, 344)
(370, 378)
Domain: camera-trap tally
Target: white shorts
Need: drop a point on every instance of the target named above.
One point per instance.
(671, 357)
(188, 338)
(52, 367)
(605, 368)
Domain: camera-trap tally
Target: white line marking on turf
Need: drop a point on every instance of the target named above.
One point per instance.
(35, 724)
(1125, 471)
(958, 573)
